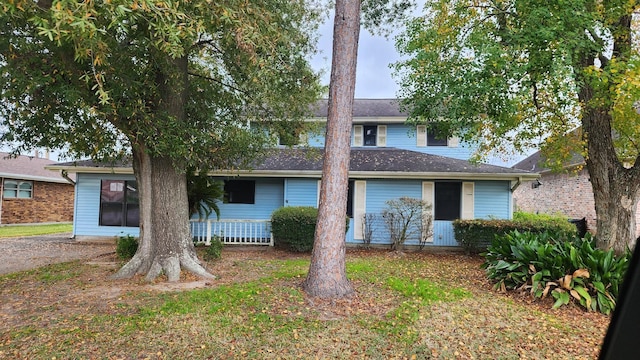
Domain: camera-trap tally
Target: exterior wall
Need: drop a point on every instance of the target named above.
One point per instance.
(51, 202)
(269, 196)
(87, 209)
(403, 136)
(567, 194)
(492, 200)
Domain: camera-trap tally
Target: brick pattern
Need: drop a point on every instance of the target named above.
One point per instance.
(568, 194)
(51, 202)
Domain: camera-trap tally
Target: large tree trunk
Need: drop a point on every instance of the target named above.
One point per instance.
(165, 244)
(327, 276)
(615, 188)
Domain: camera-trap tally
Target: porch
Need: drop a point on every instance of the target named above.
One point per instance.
(232, 232)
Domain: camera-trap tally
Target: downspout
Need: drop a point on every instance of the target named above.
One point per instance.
(518, 182)
(1, 197)
(513, 188)
(65, 175)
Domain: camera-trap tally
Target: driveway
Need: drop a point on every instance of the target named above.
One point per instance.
(24, 253)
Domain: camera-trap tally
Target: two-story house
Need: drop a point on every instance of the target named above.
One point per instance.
(389, 160)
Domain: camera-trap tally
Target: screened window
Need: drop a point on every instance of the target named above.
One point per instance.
(434, 140)
(240, 192)
(14, 189)
(447, 200)
(370, 135)
(119, 203)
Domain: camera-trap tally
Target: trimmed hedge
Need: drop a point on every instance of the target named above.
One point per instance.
(294, 227)
(475, 235)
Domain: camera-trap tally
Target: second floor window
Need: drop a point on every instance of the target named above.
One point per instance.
(370, 135)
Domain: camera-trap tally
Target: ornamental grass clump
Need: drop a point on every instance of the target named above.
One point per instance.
(568, 269)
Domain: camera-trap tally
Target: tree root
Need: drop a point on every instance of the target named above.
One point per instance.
(170, 266)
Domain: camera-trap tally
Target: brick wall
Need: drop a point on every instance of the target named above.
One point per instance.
(51, 202)
(569, 194)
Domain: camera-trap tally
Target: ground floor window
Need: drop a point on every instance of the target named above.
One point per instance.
(119, 203)
(447, 200)
(16, 189)
(239, 192)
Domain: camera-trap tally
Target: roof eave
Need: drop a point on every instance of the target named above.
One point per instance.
(32, 178)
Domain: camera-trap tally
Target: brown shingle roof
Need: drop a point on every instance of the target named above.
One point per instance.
(365, 160)
(25, 167)
(366, 108)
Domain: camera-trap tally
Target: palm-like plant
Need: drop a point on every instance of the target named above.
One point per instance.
(204, 194)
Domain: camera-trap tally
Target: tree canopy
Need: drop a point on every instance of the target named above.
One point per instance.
(175, 84)
(85, 75)
(509, 72)
(511, 75)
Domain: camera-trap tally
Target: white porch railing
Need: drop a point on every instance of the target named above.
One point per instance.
(240, 232)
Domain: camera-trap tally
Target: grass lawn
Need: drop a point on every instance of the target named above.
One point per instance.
(31, 230)
(408, 306)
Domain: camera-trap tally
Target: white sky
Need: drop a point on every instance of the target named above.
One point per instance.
(375, 54)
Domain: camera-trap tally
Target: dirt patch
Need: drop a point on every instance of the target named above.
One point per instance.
(24, 253)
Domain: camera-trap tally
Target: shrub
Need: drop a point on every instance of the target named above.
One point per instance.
(566, 270)
(214, 250)
(126, 247)
(475, 235)
(406, 218)
(294, 227)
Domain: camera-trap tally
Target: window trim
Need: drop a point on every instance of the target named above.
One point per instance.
(235, 185)
(125, 204)
(17, 189)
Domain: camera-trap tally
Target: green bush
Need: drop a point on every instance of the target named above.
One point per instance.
(126, 247)
(475, 235)
(213, 251)
(293, 227)
(566, 270)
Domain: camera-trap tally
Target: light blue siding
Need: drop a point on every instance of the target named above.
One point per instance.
(403, 136)
(492, 199)
(301, 192)
(269, 196)
(443, 234)
(87, 210)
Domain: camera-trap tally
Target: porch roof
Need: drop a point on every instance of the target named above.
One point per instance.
(365, 163)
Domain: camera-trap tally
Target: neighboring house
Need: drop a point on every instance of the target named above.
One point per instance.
(568, 193)
(32, 194)
(389, 160)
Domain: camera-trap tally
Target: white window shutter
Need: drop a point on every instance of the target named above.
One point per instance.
(359, 207)
(467, 200)
(453, 141)
(303, 138)
(381, 139)
(421, 135)
(358, 135)
(318, 194)
(428, 189)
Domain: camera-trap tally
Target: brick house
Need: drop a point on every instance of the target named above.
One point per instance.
(31, 194)
(568, 193)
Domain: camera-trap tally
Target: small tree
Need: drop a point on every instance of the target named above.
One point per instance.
(406, 218)
(368, 228)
